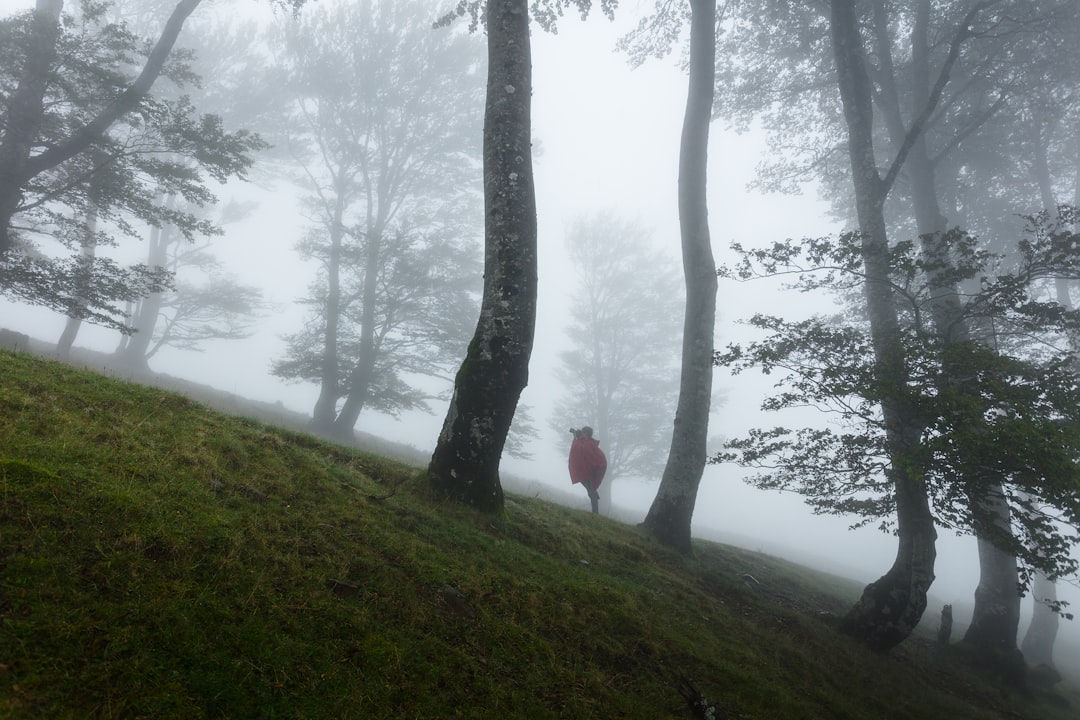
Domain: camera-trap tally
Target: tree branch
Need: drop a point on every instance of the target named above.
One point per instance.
(123, 103)
(963, 32)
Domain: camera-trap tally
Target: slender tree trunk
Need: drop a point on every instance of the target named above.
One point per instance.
(673, 508)
(130, 309)
(890, 607)
(604, 381)
(24, 113)
(1041, 635)
(325, 411)
(362, 375)
(82, 278)
(145, 319)
(1038, 645)
(465, 464)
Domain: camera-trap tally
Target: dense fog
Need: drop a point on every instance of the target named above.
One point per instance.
(606, 139)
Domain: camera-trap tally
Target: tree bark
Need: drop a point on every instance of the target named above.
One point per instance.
(465, 464)
(671, 511)
(890, 607)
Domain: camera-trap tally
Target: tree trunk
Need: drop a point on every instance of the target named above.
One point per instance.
(362, 375)
(465, 464)
(996, 617)
(145, 319)
(1038, 645)
(325, 411)
(673, 508)
(1041, 635)
(604, 381)
(25, 110)
(82, 278)
(890, 607)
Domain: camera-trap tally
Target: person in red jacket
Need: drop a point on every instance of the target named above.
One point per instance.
(587, 464)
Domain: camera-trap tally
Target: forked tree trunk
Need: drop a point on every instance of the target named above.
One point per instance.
(673, 508)
(465, 464)
(890, 607)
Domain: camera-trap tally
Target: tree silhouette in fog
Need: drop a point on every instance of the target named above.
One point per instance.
(621, 373)
(383, 122)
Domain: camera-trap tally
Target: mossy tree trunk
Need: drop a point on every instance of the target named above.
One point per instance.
(465, 464)
(673, 508)
(890, 607)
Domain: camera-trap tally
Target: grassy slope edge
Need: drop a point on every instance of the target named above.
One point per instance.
(161, 560)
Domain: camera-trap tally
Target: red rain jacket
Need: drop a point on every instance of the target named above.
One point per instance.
(587, 461)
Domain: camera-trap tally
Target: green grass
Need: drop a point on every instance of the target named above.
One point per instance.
(161, 560)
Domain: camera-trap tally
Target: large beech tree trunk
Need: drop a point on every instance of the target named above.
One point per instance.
(890, 607)
(673, 508)
(465, 464)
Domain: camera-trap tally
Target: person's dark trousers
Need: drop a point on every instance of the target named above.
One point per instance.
(594, 495)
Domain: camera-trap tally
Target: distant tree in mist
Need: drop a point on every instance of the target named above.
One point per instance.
(383, 124)
(205, 302)
(621, 373)
(81, 147)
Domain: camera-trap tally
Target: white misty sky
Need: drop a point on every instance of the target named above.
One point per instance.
(608, 139)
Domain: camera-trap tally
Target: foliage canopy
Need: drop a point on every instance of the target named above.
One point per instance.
(1013, 417)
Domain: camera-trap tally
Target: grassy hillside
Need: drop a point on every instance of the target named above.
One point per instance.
(161, 560)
